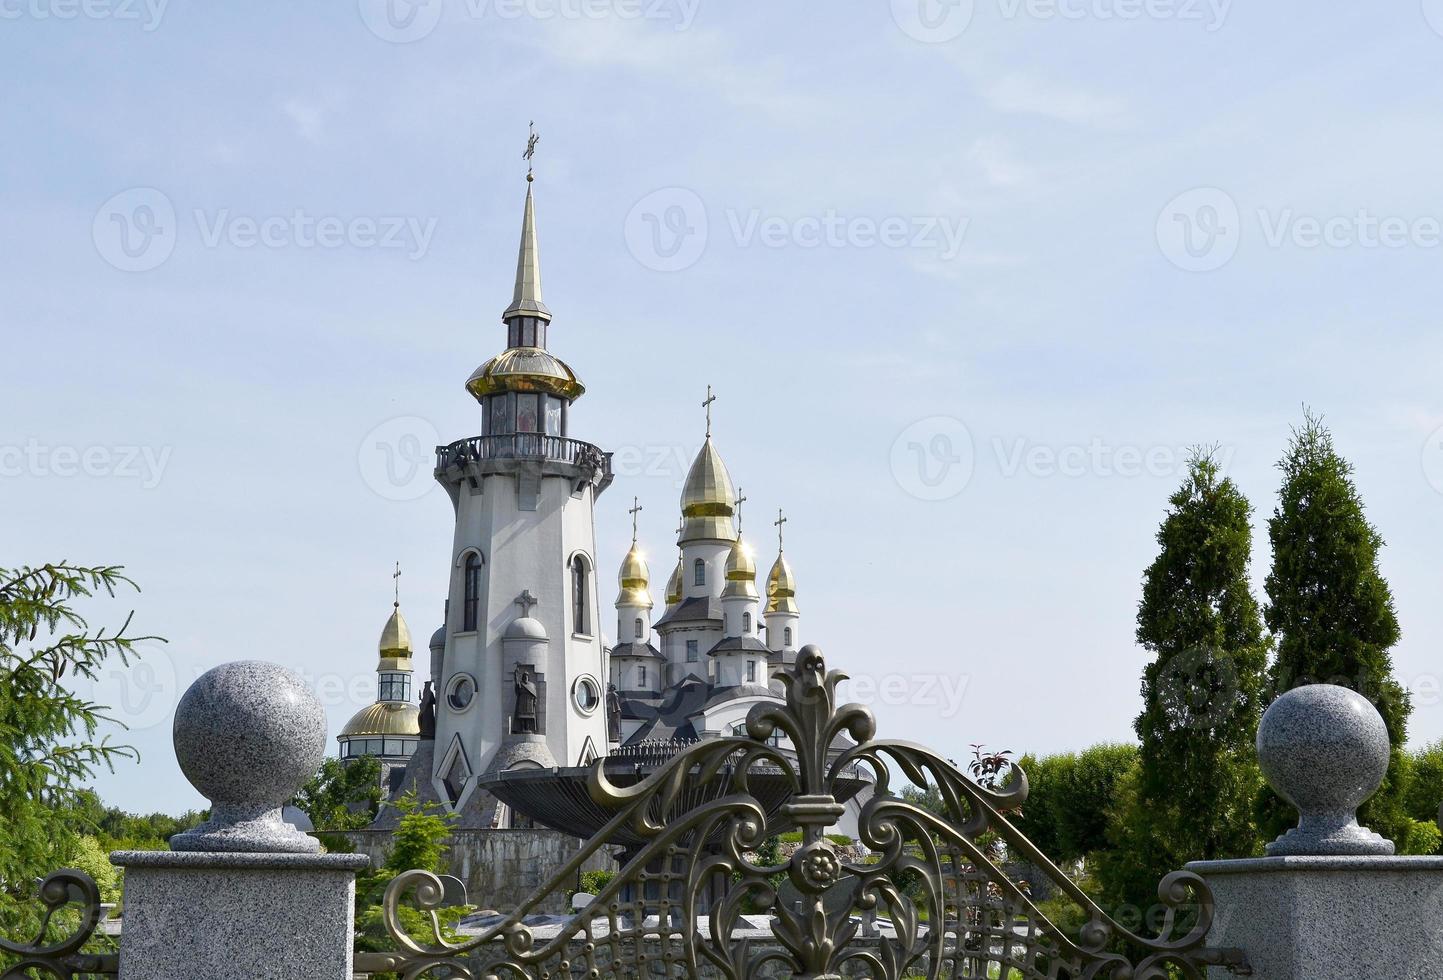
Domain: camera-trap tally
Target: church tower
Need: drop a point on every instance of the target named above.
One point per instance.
(523, 672)
(781, 610)
(387, 730)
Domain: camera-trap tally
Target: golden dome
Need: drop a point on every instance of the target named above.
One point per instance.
(386, 718)
(525, 369)
(708, 498)
(673, 585)
(781, 587)
(395, 642)
(741, 572)
(635, 580)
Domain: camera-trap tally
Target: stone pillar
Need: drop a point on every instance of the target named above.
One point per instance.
(244, 896)
(1330, 900)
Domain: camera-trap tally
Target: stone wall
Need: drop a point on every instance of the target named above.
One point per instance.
(501, 868)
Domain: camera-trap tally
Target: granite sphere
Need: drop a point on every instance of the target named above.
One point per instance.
(249, 734)
(1325, 750)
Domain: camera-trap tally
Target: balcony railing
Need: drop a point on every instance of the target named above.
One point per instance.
(525, 445)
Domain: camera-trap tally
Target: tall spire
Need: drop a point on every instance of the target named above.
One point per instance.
(526, 300)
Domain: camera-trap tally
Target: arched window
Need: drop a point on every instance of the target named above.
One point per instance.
(751, 671)
(640, 632)
(580, 622)
(699, 572)
(746, 622)
(471, 608)
(787, 637)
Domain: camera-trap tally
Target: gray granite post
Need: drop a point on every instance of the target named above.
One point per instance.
(244, 896)
(1330, 900)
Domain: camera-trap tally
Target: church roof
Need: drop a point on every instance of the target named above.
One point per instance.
(525, 369)
(526, 298)
(725, 694)
(699, 608)
(781, 587)
(739, 644)
(395, 635)
(708, 498)
(636, 650)
(385, 718)
(635, 580)
(525, 628)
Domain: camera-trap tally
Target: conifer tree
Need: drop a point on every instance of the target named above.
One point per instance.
(1197, 775)
(1330, 610)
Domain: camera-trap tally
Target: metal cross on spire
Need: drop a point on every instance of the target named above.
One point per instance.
(396, 576)
(680, 529)
(781, 519)
(531, 140)
(636, 508)
(741, 499)
(707, 405)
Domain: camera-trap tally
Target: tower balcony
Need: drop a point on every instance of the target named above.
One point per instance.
(522, 452)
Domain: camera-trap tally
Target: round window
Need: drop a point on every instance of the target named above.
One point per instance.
(461, 692)
(587, 694)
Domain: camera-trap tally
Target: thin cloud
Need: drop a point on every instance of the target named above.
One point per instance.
(1029, 95)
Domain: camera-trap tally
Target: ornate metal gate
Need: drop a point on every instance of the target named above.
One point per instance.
(948, 907)
(935, 900)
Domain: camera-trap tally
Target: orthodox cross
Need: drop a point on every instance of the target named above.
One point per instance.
(636, 508)
(781, 519)
(680, 527)
(526, 600)
(707, 405)
(741, 499)
(531, 140)
(397, 577)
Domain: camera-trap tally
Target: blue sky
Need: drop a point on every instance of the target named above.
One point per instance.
(967, 279)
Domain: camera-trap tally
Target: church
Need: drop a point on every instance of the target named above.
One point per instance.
(521, 675)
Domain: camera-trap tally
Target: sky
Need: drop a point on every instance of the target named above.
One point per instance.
(968, 278)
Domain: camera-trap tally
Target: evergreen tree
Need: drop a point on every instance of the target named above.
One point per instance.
(50, 737)
(1330, 610)
(1197, 775)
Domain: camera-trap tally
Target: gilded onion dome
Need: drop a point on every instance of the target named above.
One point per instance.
(525, 369)
(635, 580)
(741, 573)
(395, 645)
(673, 585)
(781, 587)
(385, 718)
(708, 498)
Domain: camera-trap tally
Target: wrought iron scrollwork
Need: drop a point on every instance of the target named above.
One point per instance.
(948, 907)
(62, 958)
